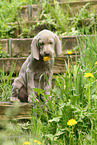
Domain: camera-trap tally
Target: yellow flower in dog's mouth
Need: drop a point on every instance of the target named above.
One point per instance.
(69, 52)
(46, 58)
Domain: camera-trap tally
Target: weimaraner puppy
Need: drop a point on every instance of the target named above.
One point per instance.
(34, 69)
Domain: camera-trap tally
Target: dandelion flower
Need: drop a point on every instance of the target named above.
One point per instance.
(96, 62)
(27, 143)
(46, 58)
(71, 122)
(35, 140)
(69, 52)
(88, 75)
(38, 142)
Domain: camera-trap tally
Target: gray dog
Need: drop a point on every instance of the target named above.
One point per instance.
(35, 68)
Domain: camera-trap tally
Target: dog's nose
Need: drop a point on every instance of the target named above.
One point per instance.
(47, 53)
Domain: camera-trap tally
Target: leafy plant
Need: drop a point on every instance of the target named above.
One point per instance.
(79, 21)
(56, 16)
(9, 13)
(60, 19)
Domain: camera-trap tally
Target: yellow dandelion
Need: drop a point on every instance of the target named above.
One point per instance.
(46, 58)
(69, 52)
(35, 140)
(27, 143)
(88, 75)
(38, 142)
(71, 122)
(96, 62)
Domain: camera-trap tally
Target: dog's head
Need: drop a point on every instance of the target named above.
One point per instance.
(44, 44)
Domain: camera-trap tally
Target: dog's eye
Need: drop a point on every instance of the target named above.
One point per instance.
(41, 43)
(50, 42)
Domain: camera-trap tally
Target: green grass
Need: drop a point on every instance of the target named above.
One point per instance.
(73, 97)
(5, 84)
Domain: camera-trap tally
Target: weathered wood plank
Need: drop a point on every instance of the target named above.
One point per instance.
(7, 63)
(10, 111)
(4, 45)
(30, 12)
(22, 47)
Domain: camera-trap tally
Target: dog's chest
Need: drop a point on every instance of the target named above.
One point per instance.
(41, 71)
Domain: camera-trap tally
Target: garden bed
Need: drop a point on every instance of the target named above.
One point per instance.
(70, 117)
(18, 28)
(33, 12)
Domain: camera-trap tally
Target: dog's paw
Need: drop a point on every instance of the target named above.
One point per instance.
(32, 100)
(29, 100)
(12, 99)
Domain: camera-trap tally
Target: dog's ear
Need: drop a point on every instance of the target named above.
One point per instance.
(58, 46)
(34, 48)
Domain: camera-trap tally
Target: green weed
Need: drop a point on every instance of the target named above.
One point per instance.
(73, 97)
(5, 84)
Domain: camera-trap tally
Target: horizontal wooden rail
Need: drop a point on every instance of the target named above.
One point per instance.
(8, 64)
(11, 111)
(22, 47)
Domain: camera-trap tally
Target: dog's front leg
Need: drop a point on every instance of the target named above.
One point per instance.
(48, 86)
(30, 86)
(16, 86)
